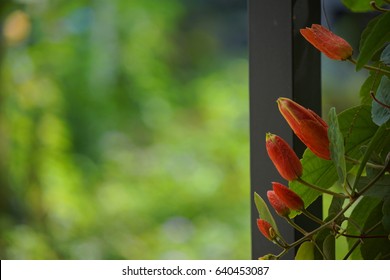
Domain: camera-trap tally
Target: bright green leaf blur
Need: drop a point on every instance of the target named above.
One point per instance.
(124, 130)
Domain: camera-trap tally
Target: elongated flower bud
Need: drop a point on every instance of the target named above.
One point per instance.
(266, 229)
(283, 157)
(307, 125)
(327, 42)
(289, 197)
(279, 206)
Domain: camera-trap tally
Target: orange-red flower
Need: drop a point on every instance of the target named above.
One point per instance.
(266, 229)
(289, 197)
(327, 42)
(307, 125)
(279, 206)
(283, 157)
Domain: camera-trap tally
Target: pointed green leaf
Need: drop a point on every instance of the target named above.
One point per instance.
(337, 151)
(306, 251)
(264, 212)
(380, 113)
(376, 34)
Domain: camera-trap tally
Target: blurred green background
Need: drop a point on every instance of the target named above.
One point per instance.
(124, 130)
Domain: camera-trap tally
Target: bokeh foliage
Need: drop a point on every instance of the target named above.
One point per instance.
(124, 130)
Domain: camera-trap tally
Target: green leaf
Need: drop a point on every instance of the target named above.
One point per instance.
(317, 171)
(380, 113)
(335, 207)
(264, 212)
(337, 146)
(329, 247)
(358, 219)
(380, 189)
(306, 251)
(375, 142)
(386, 213)
(376, 34)
(385, 56)
(375, 248)
(319, 240)
(357, 129)
(360, 5)
(370, 85)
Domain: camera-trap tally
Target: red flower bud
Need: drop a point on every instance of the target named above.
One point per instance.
(283, 157)
(278, 204)
(266, 229)
(327, 42)
(307, 125)
(290, 198)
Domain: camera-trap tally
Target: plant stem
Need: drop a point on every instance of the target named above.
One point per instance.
(300, 180)
(352, 200)
(291, 222)
(378, 101)
(376, 178)
(376, 7)
(312, 217)
(282, 254)
(319, 250)
(370, 67)
(363, 236)
(354, 246)
(355, 161)
(325, 225)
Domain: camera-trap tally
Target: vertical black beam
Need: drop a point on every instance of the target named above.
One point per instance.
(281, 64)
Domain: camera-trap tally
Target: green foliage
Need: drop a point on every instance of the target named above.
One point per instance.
(380, 189)
(305, 251)
(336, 140)
(380, 113)
(374, 144)
(375, 248)
(385, 55)
(318, 171)
(369, 86)
(335, 207)
(373, 38)
(386, 212)
(329, 247)
(360, 5)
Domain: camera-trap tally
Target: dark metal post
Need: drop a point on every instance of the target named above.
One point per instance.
(281, 64)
